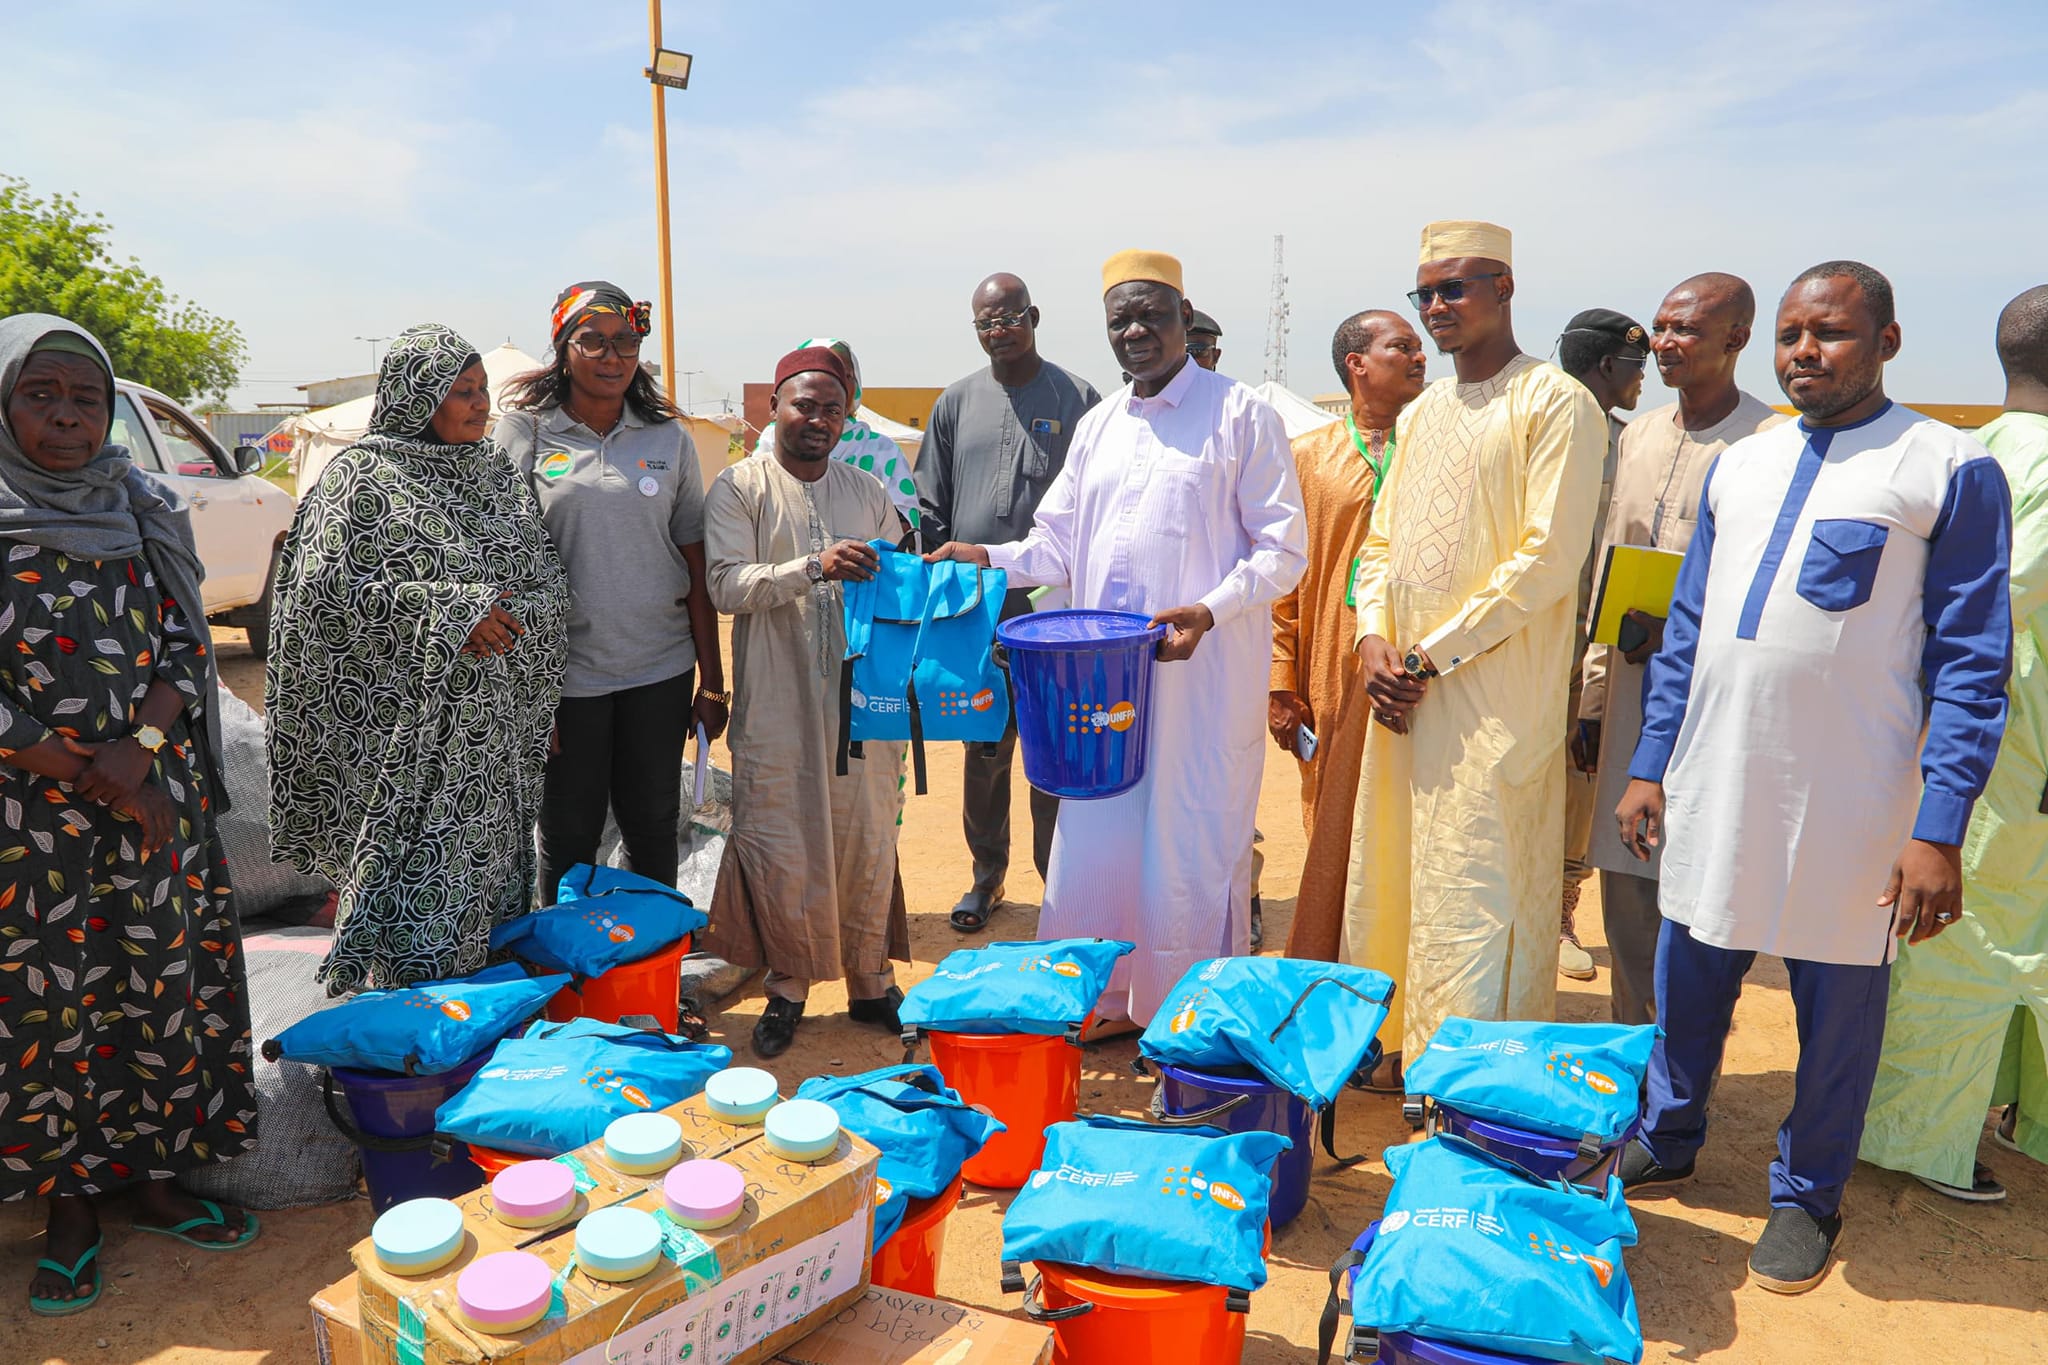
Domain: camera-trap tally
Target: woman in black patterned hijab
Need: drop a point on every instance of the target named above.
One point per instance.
(418, 657)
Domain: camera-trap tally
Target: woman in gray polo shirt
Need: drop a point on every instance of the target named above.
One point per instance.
(619, 488)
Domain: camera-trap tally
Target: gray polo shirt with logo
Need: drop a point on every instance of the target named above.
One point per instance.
(617, 506)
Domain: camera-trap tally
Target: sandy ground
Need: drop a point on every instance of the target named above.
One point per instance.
(1917, 1275)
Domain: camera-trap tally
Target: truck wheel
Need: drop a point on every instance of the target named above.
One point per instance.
(256, 618)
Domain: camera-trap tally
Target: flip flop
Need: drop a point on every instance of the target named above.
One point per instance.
(2000, 1136)
(57, 1308)
(213, 1217)
(1982, 1189)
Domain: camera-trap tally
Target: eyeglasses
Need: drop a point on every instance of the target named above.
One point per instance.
(1006, 321)
(626, 346)
(1636, 360)
(1450, 291)
(1200, 348)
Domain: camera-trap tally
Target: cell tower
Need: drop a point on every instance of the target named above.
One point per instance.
(1276, 323)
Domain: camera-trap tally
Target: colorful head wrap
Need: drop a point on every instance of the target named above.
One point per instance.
(806, 359)
(418, 371)
(580, 302)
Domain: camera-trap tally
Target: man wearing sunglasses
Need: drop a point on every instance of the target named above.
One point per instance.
(1205, 340)
(1179, 504)
(1466, 592)
(994, 444)
(1605, 351)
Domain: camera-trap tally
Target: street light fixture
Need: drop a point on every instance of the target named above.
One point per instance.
(671, 69)
(666, 70)
(374, 342)
(687, 387)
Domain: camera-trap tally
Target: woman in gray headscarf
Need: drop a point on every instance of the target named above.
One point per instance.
(124, 1029)
(418, 655)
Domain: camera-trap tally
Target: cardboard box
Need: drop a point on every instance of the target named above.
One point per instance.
(797, 1255)
(888, 1327)
(337, 1324)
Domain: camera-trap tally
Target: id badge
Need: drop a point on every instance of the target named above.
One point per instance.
(1351, 587)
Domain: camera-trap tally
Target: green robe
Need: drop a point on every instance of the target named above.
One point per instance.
(1968, 1015)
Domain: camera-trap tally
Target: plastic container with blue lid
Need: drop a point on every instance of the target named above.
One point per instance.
(643, 1144)
(741, 1094)
(618, 1244)
(803, 1130)
(417, 1237)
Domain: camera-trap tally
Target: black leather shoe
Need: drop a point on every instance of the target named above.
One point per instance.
(1793, 1254)
(1258, 925)
(777, 1029)
(1638, 1169)
(880, 1010)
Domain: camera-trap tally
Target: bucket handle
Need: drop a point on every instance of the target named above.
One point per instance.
(1038, 1312)
(370, 1142)
(1197, 1118)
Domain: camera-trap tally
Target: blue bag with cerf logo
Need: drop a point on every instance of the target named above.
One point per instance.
(1305, 1026)
(1472, 1252)
(557, 1086)
(1045, 987)
(920, 656)
(419, 1030)
(1185, 1204)
(1564, 1080)
(606, 916)
(922, 1127)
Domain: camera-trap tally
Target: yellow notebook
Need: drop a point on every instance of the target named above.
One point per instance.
(1636, 578)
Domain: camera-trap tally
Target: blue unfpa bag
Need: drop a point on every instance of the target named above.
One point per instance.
(1472, 1252)
(1045, 987)
(607, 916)
(1564, 1080)
(419, 1030)
(556, 1088)
(920, 656)
(924, 1130)
(1304, 1026)
(1185, 1204)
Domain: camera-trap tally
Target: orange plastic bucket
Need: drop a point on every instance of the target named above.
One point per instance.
(652, 985)
(910, 1262)
(1102, 1319)
(490, 1160)
(1028, 1080)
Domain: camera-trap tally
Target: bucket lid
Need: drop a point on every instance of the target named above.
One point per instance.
(1507, 1134)
(1407, 1348)
(1230, 1077)
(1126, 1291)
(1063, 629)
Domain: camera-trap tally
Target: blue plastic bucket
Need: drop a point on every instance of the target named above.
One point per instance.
(1257, 1105)
(1399, 1348)
(1545, 1156)
(394, 1128)
(1083, 683)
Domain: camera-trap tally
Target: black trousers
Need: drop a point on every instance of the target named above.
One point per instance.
(621, 752)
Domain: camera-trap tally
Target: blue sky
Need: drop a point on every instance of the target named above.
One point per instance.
(324, 172)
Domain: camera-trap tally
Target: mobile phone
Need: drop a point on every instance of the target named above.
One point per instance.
(1304, 742)
(1631, 636)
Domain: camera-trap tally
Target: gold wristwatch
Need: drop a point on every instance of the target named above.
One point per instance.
(149, 737)
(722, 698)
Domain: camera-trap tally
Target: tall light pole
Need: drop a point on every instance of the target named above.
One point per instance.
(665, 70)
(687, 376)
(373, 348)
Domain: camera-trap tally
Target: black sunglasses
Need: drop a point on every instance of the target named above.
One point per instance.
(1006, 321)
(1450, 291)
(1201, 347)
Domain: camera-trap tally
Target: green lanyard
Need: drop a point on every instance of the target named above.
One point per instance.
(1378, 467)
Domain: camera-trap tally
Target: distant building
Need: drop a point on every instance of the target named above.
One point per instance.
(325, 393)
(1339, 403)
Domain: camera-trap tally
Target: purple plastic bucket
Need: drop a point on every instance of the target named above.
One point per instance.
(394, 1122)
(1542, 1155)
(1399, 1348)
(1261, 1106)
(1083, 683)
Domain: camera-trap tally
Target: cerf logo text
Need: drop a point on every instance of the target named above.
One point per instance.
(1087, 1180)
(605, 1079)
(1189, 1183)
(1567, 1067)
(615, 929)
(1448, 1219)
(1087, 718)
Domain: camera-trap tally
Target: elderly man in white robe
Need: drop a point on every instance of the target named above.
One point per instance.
(1178, 501)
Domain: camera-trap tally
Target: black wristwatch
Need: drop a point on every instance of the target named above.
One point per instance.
(1415, 667)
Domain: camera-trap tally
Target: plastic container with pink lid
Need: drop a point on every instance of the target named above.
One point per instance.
(705, 1194)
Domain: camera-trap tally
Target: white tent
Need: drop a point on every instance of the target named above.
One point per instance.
(318, 437)
(909, 438)
(1297, 414)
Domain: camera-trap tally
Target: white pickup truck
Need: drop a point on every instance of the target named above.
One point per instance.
(238, 518)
